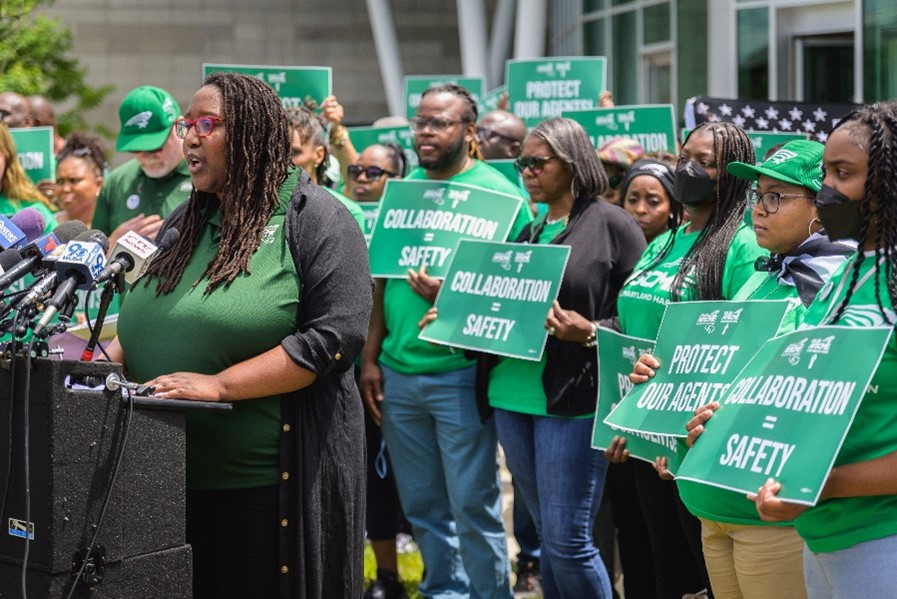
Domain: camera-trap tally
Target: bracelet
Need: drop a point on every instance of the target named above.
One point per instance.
(592, 340)
(339, 135)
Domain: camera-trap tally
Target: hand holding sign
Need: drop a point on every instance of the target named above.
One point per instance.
(423, 284)
(773, 509)
(695, 426)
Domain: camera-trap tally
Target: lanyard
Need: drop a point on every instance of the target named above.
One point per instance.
(834, 301)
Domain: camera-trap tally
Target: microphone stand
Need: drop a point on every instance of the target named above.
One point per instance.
(105, 300)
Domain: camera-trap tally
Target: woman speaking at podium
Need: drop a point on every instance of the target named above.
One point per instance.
(263, 302)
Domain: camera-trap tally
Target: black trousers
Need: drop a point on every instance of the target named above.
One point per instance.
(234, 534)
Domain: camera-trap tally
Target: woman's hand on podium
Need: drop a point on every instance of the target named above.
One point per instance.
(188, 385)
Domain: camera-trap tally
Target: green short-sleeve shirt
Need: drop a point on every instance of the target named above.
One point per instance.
(402, 351)
(187, 330)
(353, 208)
(843, 522)
(127, 192)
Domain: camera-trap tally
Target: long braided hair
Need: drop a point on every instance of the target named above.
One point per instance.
(257, 153)
(705, 261)
(873, 128)
(470, 110)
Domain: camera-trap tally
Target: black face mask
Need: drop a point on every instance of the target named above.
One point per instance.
(839, 216)
(694, 187)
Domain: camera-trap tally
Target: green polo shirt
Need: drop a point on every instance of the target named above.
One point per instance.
(402, 351)
(186, 330)
(127, 192)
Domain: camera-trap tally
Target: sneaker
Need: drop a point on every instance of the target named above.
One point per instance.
(702, 594)
(529, 582)
(386, 586)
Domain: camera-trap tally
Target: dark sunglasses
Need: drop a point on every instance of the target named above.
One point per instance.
(371, 173)
(533, 163)
(489, 134)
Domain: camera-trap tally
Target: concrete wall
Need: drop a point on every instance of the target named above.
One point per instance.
(128, 43)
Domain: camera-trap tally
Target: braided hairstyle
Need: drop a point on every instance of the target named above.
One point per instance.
(706, 260)
(396, 157)
(86, 147)
(469, 115)
(257, 154)
(873, 128)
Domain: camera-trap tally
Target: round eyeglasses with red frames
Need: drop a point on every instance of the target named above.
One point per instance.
(204, 126)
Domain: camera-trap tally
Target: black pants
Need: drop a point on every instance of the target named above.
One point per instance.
(235, 545)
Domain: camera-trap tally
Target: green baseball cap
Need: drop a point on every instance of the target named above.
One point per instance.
(147, 114)
(798, 162)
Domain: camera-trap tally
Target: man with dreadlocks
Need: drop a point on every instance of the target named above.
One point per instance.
(708, 258)
(851, 534)
(263, 302)
(443, 454)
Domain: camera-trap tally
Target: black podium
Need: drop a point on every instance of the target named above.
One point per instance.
(74, 440)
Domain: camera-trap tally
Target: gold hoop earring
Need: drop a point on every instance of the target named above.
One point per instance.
(810, 226)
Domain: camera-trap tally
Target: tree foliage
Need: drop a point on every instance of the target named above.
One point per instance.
(35, 59)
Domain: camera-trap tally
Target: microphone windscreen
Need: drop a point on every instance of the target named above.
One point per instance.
(9, 258)
(96, 236)
(168, 239)
(31, 222)
(69, 230)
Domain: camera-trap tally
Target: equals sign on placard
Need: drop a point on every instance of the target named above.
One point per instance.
(428, 236)
(770, 422)
(496, 306)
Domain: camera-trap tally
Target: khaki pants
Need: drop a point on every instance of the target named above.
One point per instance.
(753, 562)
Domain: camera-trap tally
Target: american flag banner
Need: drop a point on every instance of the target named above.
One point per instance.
(810, 118)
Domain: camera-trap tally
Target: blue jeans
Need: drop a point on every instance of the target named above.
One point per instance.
(524, 529)
(446, 468)
(864, 570)
(562, 479)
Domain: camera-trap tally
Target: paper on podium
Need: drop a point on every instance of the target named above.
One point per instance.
(110, 329)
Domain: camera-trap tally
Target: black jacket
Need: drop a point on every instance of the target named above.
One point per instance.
(322, 497)
(605, 245)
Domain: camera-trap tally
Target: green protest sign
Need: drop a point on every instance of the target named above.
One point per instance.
(489, 101)
(371, 210)
(421, 222)
(506, 168)
(701, 346)
(763, 141)
(496, 295)
(295, 86)
(543, 88)
(416, 85)
(653, 126)
(34, 145)
(616, 355)
(362, 137)
(787, 413)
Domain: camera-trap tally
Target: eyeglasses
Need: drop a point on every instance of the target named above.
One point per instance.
(489, 134)
(533, 163)
(371, 173)
(204, 126)
(771, 199)
(436, 125)
(4, 114)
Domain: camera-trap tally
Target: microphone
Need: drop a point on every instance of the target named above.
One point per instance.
(133, 254)
(9, 258)
(78, 267)
(44, 285)
(11, 236)
(33, 253)
(31, 222)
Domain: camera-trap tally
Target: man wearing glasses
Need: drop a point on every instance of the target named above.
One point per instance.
(443, 454)
(500, 135)
(140, 193)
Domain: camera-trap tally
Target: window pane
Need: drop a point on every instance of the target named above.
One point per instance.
(616, 2)
(879, 50)
(753, 53)
(593, 38)
(691, 67)
(656, 24)
(659, 77)
(625, 59)
(590, 5)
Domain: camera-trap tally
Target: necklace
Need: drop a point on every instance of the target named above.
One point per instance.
(553, 221)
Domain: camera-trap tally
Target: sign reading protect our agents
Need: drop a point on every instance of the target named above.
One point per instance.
(496, 295)
(362, 137)
(617, 353)
(421, 222)
(295, 86)
(701, 346)
(787, 413)
(34, 145)
(541, 89)
(653, 127)
(416, 85)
